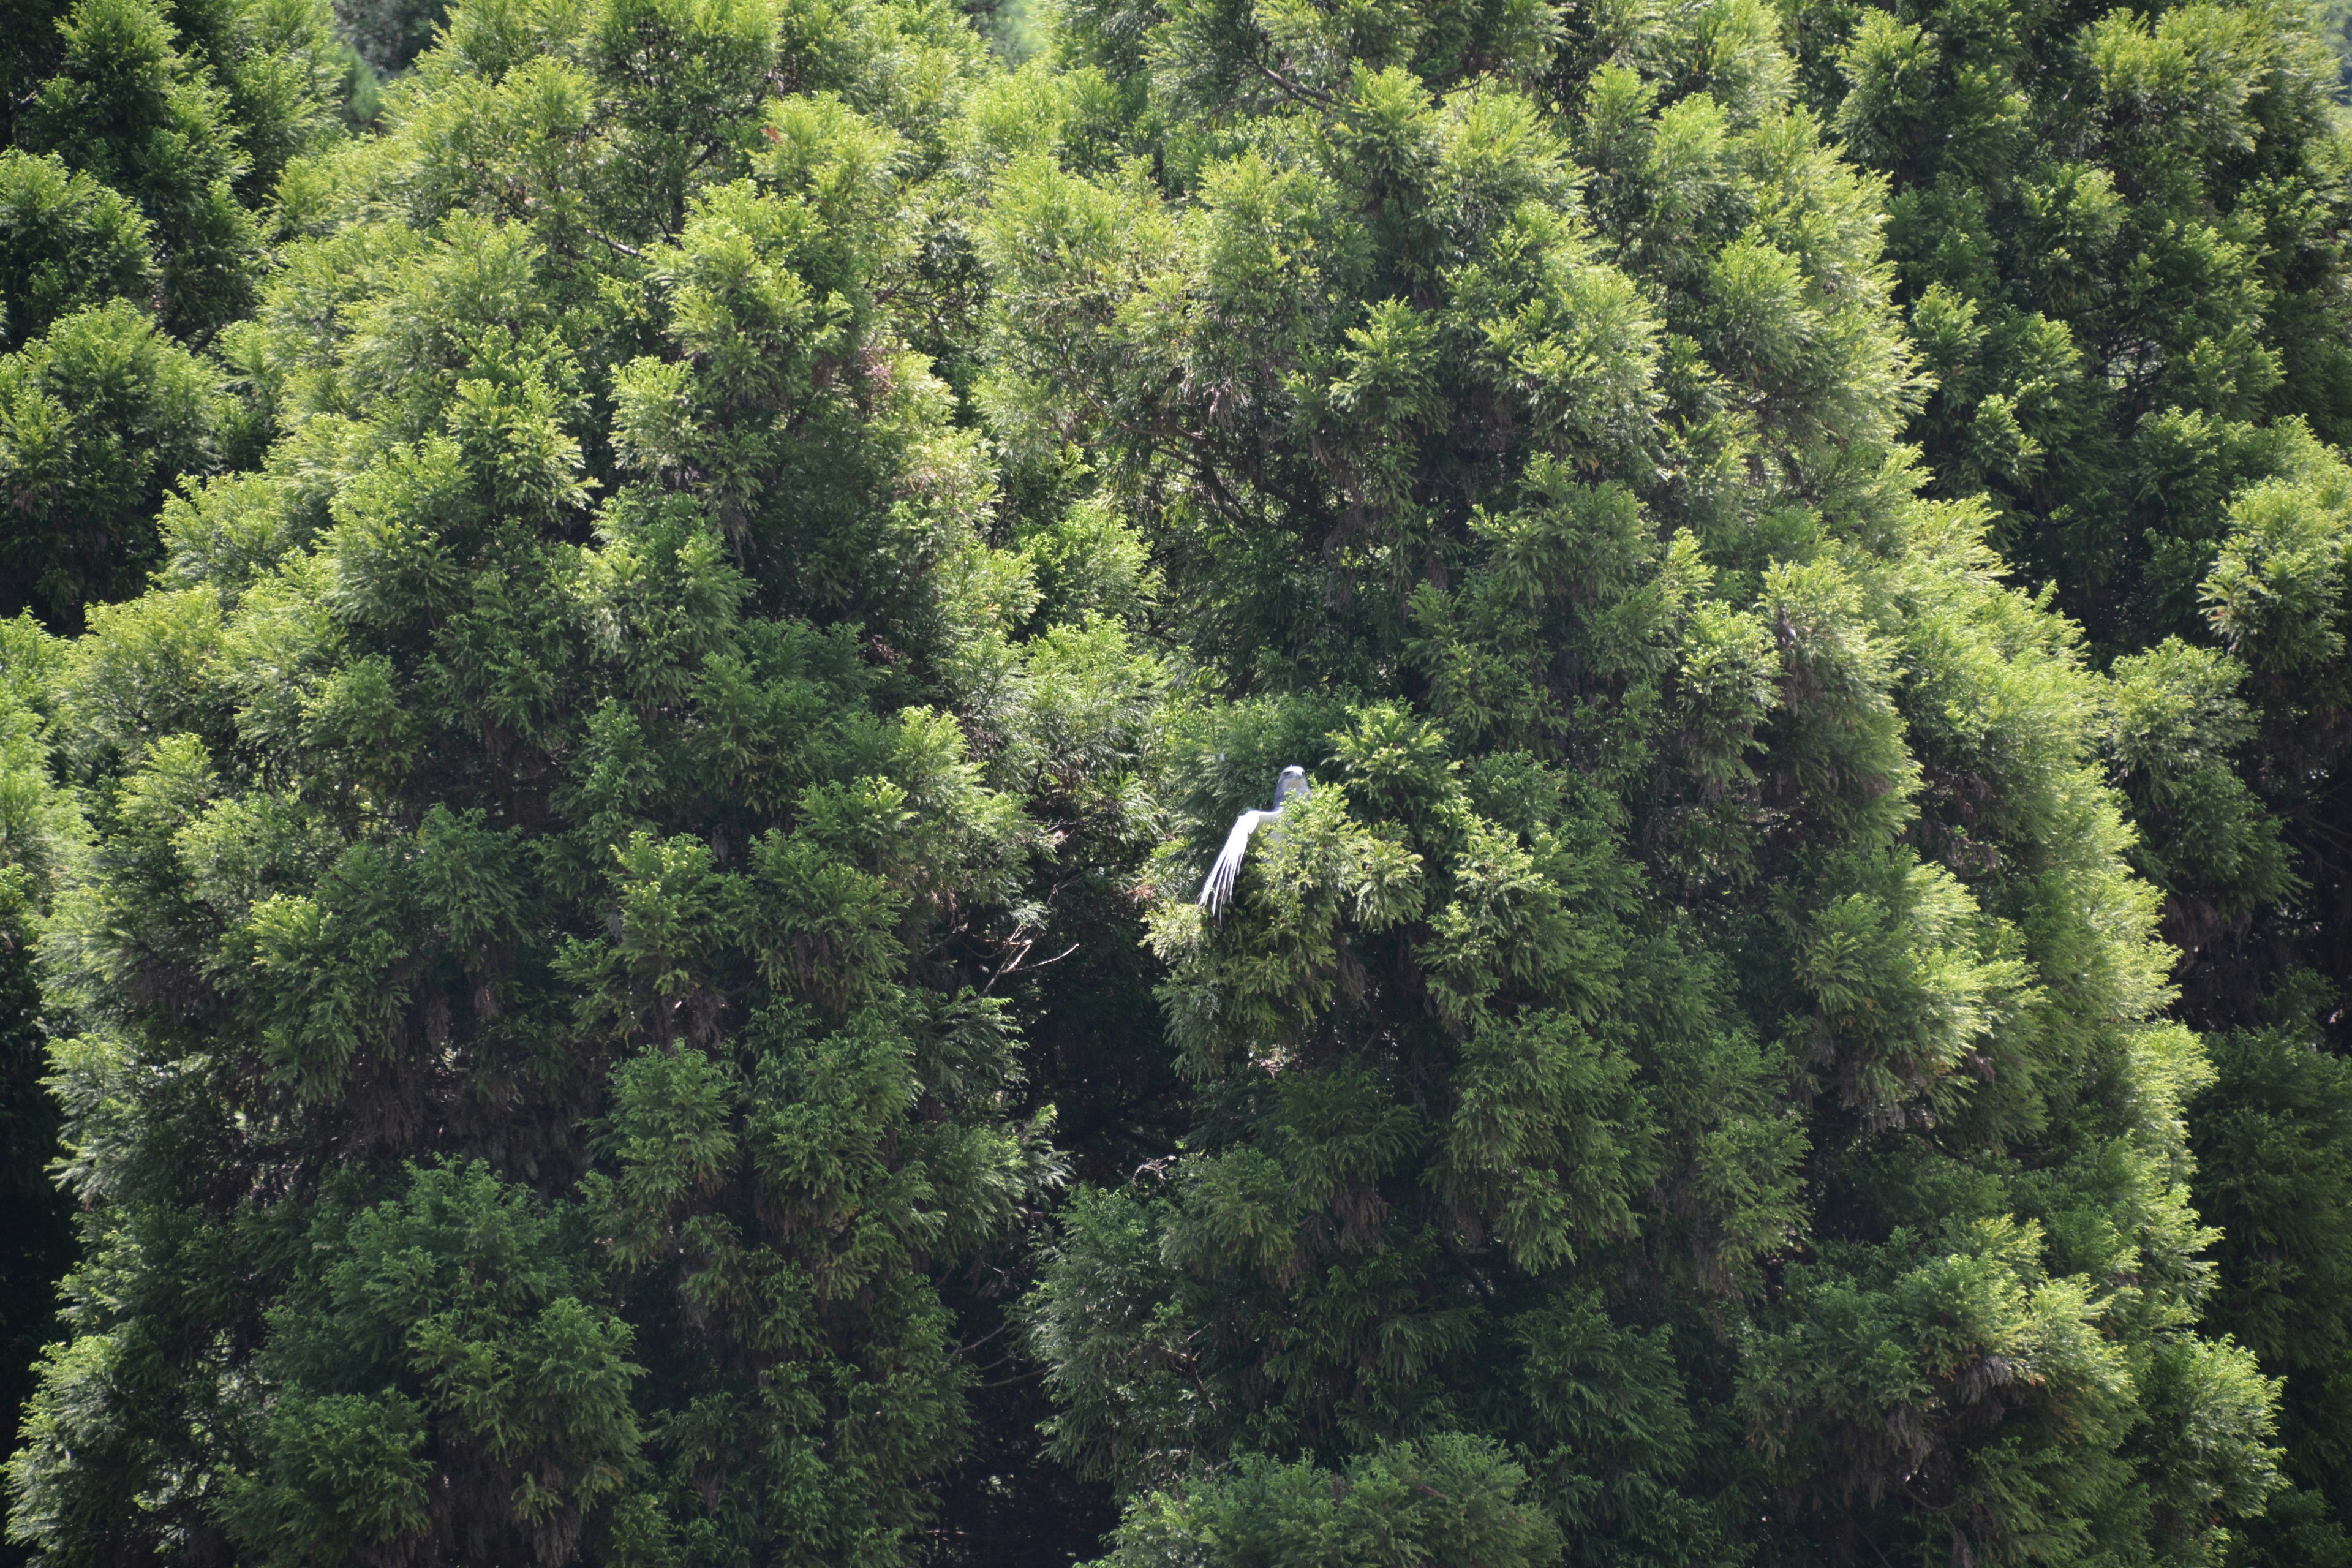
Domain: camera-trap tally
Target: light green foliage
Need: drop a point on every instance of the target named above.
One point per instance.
(2180, 725)
(2121, 238)
(1452, 1501)
(145, 149)
(97, 416)
(2336, 25)
(2120, 234)
(1701, 1030)
(68, 242)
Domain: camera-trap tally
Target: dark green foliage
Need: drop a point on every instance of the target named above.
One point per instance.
(560, 823)
(668, 631)
(37, 835)
(1701, 1031)
(454, 1310)
(2274, 1143)
(390, 34)
(127, 108)
(2121, 237)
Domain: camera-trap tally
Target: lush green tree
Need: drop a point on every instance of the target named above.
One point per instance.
(2272, 1135)
(38, 835)
(1451, 1501)
(2122, 238)
(1701, 1031)
(192, 115)
(145, 150)
(65, 242)
(118, 192)
(97, 417)
(2121, 235)
(716, 585)
(570, 828)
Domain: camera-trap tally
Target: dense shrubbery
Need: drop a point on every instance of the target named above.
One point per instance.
(649, 634)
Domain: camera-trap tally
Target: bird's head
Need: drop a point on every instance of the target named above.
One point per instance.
(1292, 782)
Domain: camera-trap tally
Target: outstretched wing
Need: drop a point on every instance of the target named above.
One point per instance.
(1218, 890)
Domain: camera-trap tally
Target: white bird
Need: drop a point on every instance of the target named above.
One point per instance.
(1218, 890)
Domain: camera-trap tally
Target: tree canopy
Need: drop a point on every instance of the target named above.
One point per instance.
(647, 626)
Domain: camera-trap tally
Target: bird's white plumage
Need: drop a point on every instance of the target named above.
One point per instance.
(1217, 891)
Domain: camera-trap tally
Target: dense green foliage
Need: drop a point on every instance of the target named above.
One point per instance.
(535, 1059)
(140, 150)
(2122, 240)
(139, 183)
(38, 835)
(2274, 1146)
(660, 616)
(190, 115)
(1702, 1033)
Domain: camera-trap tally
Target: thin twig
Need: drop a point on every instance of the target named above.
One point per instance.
(1295, 89)
(1009, 1382)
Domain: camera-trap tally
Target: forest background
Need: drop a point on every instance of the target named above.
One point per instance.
(635, 620)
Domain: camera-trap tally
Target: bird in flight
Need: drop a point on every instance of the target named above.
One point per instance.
(1218, 890)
